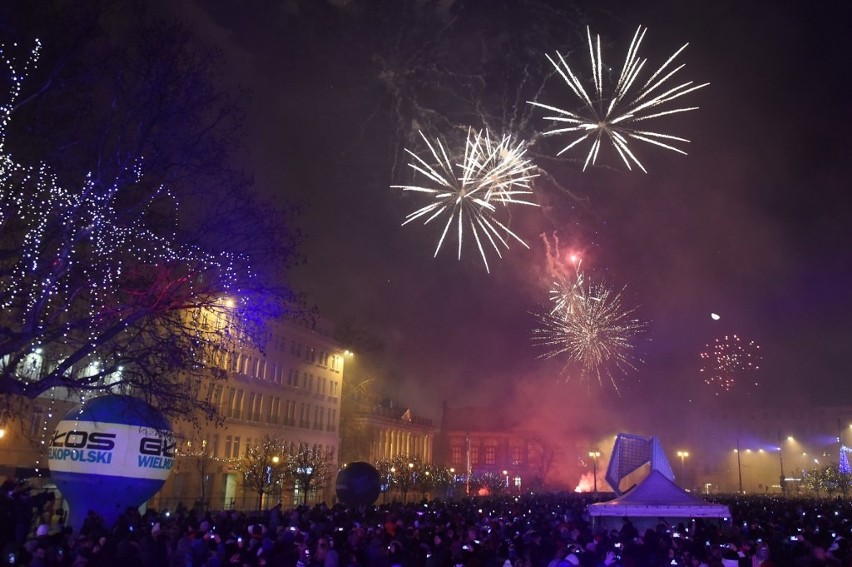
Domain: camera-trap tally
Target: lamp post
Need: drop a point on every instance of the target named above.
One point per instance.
(782, 481)
(594, 455)
(739, 465)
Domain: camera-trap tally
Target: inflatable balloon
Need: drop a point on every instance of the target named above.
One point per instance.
(358, 484)
(111, 453)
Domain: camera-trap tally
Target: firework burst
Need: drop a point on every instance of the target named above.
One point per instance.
(729, 361)
(614, 113)
(591, 328)
(492, 176)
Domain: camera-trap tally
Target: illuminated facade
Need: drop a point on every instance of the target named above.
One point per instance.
(290, 391)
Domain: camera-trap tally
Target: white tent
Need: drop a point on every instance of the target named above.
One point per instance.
(656, 498)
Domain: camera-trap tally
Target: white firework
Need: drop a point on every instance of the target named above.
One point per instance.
(491, 174)
(591, 329)
(615, 115)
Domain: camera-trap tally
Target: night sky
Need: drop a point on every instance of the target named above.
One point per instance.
(754, 224)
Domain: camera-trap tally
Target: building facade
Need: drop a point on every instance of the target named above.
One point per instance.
(477, 440)
(381, 431)
(289, 392)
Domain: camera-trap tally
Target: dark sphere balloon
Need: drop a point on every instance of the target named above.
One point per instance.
(358, 484)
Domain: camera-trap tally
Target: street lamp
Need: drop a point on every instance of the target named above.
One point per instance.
(506, 474)
(594, 455)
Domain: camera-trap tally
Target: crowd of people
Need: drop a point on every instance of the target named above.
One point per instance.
(532, 530)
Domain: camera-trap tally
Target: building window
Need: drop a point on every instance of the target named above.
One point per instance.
(274, 408)
(250, 406)
(474, 455)
(456, 454)
(229, 402)
(238, 404)
(216, 397)
(36, 421)
(258, 404)
(232, 447)
(517, 456)
(290, 416)
(304, 413)
(490, 454)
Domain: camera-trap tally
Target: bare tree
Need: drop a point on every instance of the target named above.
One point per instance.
(106, 282)
(405, 473)
(263, 466)
(309, 468)
(193, 452)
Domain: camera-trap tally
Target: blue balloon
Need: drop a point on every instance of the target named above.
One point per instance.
(109, 454)
(358, 484)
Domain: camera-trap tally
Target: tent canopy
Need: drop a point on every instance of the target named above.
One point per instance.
(659, 497)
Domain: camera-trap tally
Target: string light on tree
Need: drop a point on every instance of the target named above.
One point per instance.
(94, 278)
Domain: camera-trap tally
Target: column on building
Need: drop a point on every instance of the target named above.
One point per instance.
(384, 443)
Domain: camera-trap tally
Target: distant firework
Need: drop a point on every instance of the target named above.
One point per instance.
(730, 362)
(615, 114)
(491, 173)
(591, 329)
